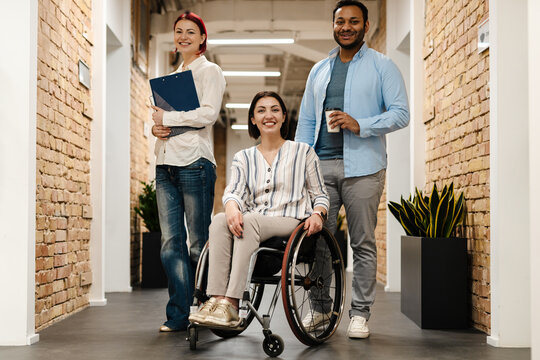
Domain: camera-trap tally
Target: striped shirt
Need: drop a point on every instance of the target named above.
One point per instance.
(291, 186)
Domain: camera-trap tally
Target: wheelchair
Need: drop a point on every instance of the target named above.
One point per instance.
(304, 269)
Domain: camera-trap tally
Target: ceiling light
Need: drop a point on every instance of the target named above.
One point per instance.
(239, 127)
(250, 41)
(237, 106)
(252, 73)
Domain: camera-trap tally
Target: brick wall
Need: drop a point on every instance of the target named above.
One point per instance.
(378, 42)
(63, 211)
(456, 117)
(139, 169)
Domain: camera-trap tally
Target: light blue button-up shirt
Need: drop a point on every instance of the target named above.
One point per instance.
(375, 97)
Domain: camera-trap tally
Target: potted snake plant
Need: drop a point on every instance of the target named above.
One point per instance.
(153, 275)
(433, 259)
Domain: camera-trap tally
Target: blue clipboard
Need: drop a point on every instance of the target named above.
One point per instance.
(176, 92)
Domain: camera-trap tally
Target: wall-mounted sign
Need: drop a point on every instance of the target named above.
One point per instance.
(483, 36)
(84, 74)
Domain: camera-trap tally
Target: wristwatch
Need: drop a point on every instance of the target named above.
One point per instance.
(323, 216)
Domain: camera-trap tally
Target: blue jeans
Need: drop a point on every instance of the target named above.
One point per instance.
(183, 190)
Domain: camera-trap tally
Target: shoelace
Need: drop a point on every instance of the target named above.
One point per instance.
(208, 306)
(221, 307)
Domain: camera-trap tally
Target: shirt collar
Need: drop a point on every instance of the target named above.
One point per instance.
(335, 51)
(194, 64)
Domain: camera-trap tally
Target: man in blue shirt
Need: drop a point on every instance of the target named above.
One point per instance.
(369, 89)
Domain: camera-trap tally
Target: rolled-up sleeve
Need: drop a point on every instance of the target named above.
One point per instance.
(315, 181)
(211, 96)
(236, 190)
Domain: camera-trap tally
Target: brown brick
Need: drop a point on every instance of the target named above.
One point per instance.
(63, 272)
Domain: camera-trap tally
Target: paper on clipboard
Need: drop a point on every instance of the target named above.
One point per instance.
(176, 92)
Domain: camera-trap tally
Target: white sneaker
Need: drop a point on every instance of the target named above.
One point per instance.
(358, 328)
(313, 320)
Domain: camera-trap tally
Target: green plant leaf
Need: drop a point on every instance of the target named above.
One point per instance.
(422, 204)
(433, 204)
(447, 228)
(459, 213)
(421, 222)
(440, 215)
(407, 226)
(394, 208)
(407, 218)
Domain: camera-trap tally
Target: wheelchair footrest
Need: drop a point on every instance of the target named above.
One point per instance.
(241, 327)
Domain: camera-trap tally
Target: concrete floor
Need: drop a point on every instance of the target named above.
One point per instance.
(127, 328)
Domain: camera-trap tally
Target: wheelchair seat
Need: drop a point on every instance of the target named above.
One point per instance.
(269, 263)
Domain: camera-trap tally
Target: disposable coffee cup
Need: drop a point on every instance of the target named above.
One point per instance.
(327, 113)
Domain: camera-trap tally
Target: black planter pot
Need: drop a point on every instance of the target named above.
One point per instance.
(434, 282)
(153, 275)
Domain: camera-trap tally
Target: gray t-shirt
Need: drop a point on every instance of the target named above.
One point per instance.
(330, 145)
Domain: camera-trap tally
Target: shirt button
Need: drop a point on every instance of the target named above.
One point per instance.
(268, 181)
(269, 169)
(266, 203)
(266, 191)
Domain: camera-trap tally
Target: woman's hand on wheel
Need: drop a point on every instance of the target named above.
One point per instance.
(235, 220)
(313, 224)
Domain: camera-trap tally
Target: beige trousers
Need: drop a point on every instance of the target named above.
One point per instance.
(229, 255)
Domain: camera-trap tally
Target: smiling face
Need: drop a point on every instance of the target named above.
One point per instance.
(349, 28)
(268, 116)
(187, 37)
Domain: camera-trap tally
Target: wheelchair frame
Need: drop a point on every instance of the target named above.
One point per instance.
(288, 283)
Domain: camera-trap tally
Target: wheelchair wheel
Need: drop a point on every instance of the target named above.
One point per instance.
(313, 280)
(273, 345)
(256, 294)
(192, 337)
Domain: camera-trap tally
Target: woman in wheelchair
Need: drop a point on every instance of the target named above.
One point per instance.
(273, 187)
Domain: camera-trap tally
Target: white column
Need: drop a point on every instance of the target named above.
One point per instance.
(97, 158)
(417, 128)
(509, 175)
(398, 149)
(534, 177)
(18, 109)
(117, 145)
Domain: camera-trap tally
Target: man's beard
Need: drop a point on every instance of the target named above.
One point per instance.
(356, 43)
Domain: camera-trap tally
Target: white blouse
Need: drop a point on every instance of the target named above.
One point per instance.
(291, 186)
(183, 149)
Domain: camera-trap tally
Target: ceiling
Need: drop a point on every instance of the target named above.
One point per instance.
(308, 22)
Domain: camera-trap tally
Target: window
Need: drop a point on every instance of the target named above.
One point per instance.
(141, 32)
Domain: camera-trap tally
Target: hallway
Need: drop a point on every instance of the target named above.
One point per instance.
(127, 329)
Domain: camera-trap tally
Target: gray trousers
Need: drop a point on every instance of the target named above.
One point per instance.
(229, 255)
(360, 196)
